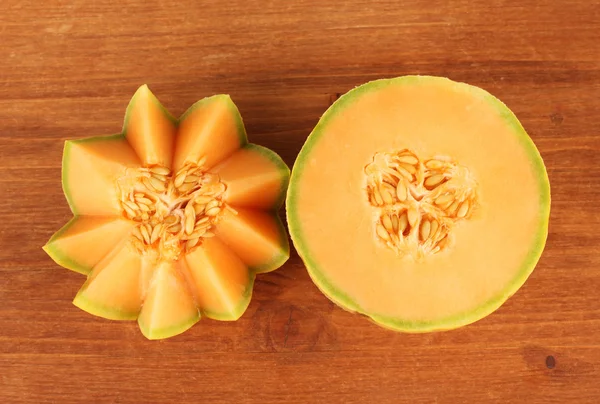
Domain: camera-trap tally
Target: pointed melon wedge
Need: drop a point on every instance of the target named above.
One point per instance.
(256, 177)
(150, 128)
(169, 308)
(85, 240)
(113, 290)
(90, 171)
(257, 237)
(211, 128)
(221, 282)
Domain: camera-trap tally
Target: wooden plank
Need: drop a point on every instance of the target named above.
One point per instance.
(68, 69)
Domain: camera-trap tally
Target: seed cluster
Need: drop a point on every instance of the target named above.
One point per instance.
(418, 202)
(173, 211)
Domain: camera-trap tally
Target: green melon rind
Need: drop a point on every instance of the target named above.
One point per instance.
(60, 257)
(241, 307)
(167, 332)
(101, 310)
(455, 321)
(233, 109)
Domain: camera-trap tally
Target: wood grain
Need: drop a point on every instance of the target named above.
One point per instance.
(67, 70)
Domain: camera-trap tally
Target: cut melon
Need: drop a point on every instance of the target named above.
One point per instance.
(258, 238)
(221, 282)
(114, 290)
(169, 307)
(91, 168)
(265, 183)
(70, 246)
(150, 129)
(419, 202)
(212, 129)
(149, 203)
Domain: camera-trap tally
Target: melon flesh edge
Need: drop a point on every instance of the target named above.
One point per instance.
(85, 240)
(257, 238)
(150, 129)
(221, 282)
(493, 253)
(90, 171)
(113, 289)
(212, 129)
(169, 308)
(255, 176)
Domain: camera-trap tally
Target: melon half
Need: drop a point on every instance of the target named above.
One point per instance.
(173, 218)
(419, 202)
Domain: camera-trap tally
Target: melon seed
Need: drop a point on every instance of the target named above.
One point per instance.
(444, 199)
(387, 223)
(377, 196)
(191, 243)
(464, 208)
(401, 192)
(434, 228)
(453, 207)
(411, 169)
(434, 180)
(405, 173)
(407, 159)
(213, 211)
(381, 232)
(403, 223)
(145, 234)
(160, 170)
(425, 229)
(434, 164)
(395, 223)
(413, 216)
(387, 197)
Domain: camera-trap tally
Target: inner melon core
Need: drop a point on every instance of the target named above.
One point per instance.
(417, 202)
(174, 211)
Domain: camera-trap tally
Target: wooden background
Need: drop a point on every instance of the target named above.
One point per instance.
(68, 69)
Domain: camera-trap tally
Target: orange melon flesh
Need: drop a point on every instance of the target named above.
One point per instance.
(493, 253)
(264, 180)
(85, 240)
(221, 282)
(212, 128)
(257, 237)
(113, 290)
(150, 129)
(90, 171)
(169, 308)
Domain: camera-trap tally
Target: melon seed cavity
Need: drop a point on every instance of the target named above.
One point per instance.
(173, 212)
(418, 202)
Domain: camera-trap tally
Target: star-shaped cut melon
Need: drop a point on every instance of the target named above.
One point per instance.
(173, 218)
